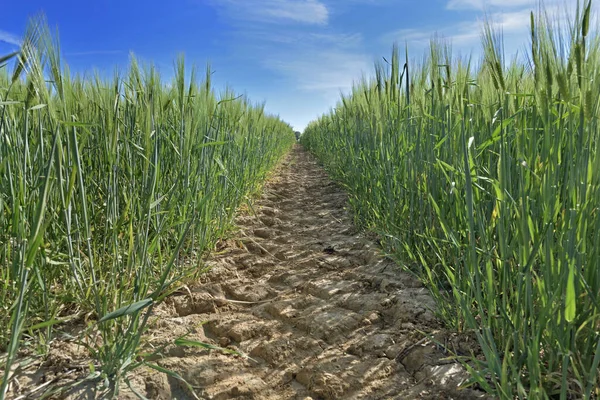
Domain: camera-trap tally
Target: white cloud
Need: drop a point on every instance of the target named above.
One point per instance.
(505, 4)
(311, 12)
(291, 42)
(326, 72)
(9, 38)
(321, 63)
(342, 40)
(463, 35)
(315, 73)
(464, 4)
(312, 62)
(509, 22)
(511, 18)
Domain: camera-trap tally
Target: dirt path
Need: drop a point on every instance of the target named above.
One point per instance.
(319, 313)
(309, 299)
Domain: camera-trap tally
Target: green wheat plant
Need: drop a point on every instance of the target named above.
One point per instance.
(111, 189)
(483, 178)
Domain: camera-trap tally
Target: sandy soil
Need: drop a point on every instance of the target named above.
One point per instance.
(308, 300)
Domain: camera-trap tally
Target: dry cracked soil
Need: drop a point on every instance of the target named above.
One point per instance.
(308, 306)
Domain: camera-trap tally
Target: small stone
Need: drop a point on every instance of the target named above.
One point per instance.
(407, 325)
(374, 317)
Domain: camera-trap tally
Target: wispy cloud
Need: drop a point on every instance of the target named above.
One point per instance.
(292, 42)
(509, 17)
(463, 34)
(324, 72)
(9, 38)
(490, 4)
(311, 12)
(321, 63)
(464, 4)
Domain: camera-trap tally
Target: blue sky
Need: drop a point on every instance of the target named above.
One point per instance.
(297, 55)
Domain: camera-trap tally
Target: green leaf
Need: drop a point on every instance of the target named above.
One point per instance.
(570, 301)
(157, 201)
(45, 324)
(208, 144)
(193, 343)
(8, 56)
(496, 135)
(77, 124)
(126, 310)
